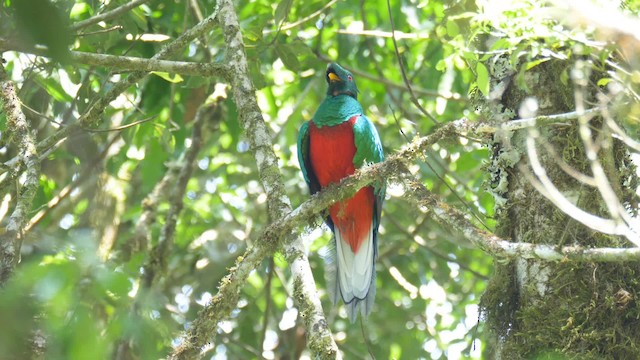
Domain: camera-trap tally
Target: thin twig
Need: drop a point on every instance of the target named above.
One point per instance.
(385, 34)
(123, 127)
(407, 83)
(432, 249)
(425, 92)
(94, 114)
(304, 19)
(107, 15)
(485, 127)
(68, 189)
(103, 31)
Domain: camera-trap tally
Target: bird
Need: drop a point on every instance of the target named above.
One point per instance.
(338, 140)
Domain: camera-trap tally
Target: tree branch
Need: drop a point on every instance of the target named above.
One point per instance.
(394, 167)
(158, 258)
(107, 15)
(486, 127)
(127, 63)
(502, 249)
(250, 116)
(26, 172)
(419, 91)
(407, 83)
(93, 114)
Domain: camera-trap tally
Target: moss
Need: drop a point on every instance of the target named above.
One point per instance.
(499, 302)
(585, 315)
(576, 310)
(322, 345)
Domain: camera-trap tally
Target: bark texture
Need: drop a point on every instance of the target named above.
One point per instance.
(537, 309)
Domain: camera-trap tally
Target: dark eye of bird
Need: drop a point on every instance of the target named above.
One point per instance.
(350, 77)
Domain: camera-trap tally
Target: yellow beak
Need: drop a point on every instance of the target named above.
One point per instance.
(333, 77)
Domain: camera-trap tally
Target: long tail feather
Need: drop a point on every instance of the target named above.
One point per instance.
(351, 277)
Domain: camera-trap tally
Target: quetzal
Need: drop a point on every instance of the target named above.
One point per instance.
(338, 140)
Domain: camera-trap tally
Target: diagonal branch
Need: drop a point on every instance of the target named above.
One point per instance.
(203, 328)
(93, 114)
(107, 15)
(545, 186)
(413, 97)
(484, 127)
(282, 232)
(394, 167)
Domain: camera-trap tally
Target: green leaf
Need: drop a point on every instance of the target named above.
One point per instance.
(604, 81)
(176, 78)
(54, 89)
(115, 282)
(43, 23)
(282, 10)
(469, 55)
(501, 44)
(483, 79)
(300, 48)
(3, 122)
(151, 167)
(288, 57)
(531, 64)
(79, 9)
(452, 28)
(257, 76)
(253, 35)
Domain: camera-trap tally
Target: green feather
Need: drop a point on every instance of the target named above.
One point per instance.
(369, 150)
(303, 149)
(368, 144)
(335, 110)
(340, 106)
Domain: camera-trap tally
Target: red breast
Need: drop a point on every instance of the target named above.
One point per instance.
(331, 151)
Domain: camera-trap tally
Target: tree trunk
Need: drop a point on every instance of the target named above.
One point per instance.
(538, 309)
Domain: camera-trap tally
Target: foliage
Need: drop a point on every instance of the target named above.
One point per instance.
(80, 282)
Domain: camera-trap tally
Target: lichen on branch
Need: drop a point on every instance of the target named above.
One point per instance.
(26, 172)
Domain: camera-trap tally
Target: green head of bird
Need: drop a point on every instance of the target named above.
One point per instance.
(340, 81)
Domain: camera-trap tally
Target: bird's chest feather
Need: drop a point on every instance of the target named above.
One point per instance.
(331, 150)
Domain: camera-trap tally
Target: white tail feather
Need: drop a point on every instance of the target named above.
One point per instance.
(352, 276)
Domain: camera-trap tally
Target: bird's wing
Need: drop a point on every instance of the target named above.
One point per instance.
(369, 150)
(305, 161)
(305, 165)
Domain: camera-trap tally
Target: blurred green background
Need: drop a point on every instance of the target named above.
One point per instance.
(78, 283)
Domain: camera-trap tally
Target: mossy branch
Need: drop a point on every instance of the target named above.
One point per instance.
(26, 173)
(93, 115)
(283, 231)
(127, 63)
(203, 328)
